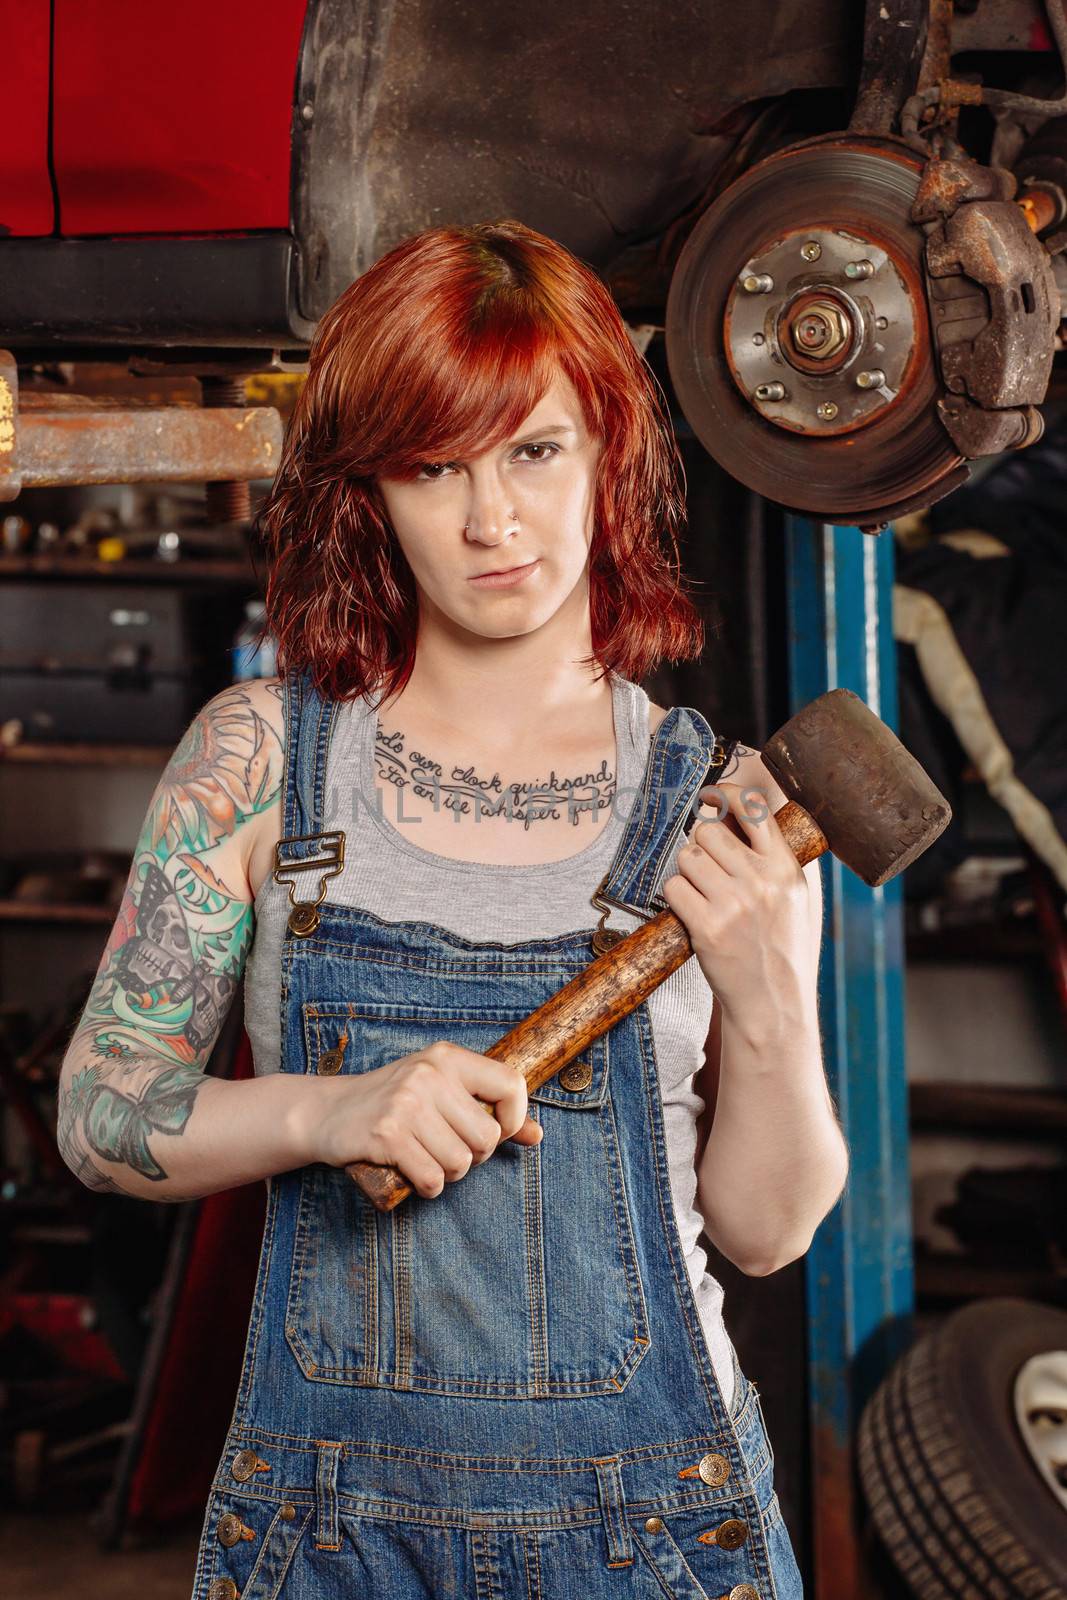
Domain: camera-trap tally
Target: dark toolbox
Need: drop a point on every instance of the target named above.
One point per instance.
(115, 663)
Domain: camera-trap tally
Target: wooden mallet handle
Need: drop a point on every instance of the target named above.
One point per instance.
(606, 990)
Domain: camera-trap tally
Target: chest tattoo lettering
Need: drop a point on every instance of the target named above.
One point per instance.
(465, 792)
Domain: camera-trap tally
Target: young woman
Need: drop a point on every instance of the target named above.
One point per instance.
(517, 1382)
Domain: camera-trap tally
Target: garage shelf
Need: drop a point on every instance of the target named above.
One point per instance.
(138, 569)
(55, 911)
(87, 755)
(947, 1279)
(1001, 942)
(993, 1108)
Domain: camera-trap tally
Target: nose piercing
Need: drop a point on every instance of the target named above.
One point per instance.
(511, 514)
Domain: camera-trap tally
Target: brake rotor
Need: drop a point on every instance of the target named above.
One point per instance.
(798, 334)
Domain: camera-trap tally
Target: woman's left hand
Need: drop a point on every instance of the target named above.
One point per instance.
(745, 903)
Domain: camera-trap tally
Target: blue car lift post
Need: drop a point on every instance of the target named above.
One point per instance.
(859, 1279)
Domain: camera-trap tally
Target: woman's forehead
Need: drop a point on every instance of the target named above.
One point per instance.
(558, 407)
(469, 409)
(558, 410)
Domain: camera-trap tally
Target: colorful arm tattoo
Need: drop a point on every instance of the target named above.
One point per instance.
(177, 949)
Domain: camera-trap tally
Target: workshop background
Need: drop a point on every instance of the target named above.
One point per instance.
(181, 197)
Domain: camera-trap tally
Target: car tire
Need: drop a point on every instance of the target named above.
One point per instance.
(953, 1488)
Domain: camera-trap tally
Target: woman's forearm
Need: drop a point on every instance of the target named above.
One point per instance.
(775, 1161)
(159, 1131)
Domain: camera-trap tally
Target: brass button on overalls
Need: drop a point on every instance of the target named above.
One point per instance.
(230, 1528)
(332, 1061)
(715, 1469)
(244, 1464)
(576, 1075)
(731, 1534)
(303, 919)
(222, 1589)
(743, 1591)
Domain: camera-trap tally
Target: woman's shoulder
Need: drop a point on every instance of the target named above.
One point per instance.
(656, 715)
(231, 765)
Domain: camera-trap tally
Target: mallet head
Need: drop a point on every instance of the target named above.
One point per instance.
(876, 805)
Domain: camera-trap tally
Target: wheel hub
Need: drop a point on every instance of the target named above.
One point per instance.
(817, 332)
(819, 329)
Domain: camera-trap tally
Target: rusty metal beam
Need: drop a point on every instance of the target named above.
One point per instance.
(49, 440)
(9, 399)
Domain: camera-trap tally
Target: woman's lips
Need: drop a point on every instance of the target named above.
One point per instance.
(505, 580)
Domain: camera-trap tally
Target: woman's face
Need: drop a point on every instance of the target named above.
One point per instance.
(528, 501)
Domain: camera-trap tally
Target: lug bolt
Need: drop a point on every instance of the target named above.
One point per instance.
(859, 269)
(758, 339)
(811, 250)
(827, 411)
(874, 379)
(771, 391)
(881, 322)
(757, 283)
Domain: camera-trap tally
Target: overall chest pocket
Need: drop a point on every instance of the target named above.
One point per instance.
(520, 1279)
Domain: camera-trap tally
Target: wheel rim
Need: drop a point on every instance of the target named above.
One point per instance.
(1041, 1413)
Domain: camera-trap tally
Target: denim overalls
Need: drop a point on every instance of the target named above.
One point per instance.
(503, 1391)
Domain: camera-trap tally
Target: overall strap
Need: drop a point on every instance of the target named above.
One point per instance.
(308, 721)
(684, 756)
(306, 857)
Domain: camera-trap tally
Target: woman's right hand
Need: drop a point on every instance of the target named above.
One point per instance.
(421, 1114)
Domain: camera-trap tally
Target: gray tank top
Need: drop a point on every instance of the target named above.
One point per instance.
(390, 875)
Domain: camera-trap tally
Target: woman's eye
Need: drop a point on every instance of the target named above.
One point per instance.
(433, 471)
(548, 449)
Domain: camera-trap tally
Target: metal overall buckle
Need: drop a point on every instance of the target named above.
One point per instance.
(304, 917)
(603, 937)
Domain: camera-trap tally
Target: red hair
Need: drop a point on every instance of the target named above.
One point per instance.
(441, 350)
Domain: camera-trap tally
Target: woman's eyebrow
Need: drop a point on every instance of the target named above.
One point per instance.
(549, 427)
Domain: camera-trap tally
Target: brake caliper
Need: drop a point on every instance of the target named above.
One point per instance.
(994, 305)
